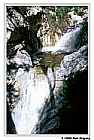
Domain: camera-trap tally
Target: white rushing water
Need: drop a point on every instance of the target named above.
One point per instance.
(33, 93)
(66, 42)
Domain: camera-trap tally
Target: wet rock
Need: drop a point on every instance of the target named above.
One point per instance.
(74, 62)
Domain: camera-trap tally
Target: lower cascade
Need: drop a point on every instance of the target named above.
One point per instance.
(33, 93)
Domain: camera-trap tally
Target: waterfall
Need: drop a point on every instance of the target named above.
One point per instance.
(68, 42)
(33, 93)
(34, 88)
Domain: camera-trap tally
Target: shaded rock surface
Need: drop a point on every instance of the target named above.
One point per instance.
(70, 113)
(10, 129)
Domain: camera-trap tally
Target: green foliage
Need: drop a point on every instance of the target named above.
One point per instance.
(57, 16)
